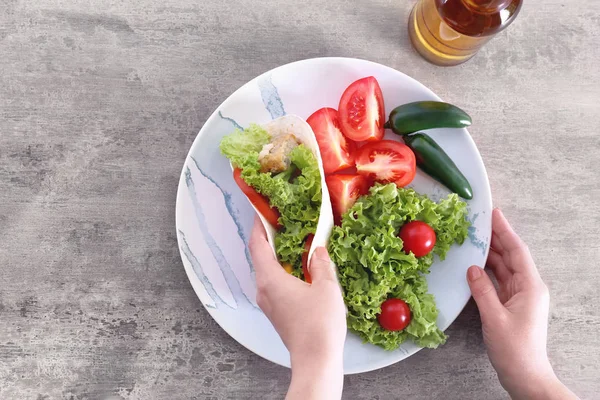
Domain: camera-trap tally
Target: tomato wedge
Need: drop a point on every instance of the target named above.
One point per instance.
(362, 112)
(344, 190)
(336, 150)
(387, 161)
(259, 201)
(307, 244)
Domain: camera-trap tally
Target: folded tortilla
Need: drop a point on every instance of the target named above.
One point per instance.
(304, 133)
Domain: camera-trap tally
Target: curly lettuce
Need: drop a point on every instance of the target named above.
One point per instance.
(240, 146)
(373, 266)
(298, 198)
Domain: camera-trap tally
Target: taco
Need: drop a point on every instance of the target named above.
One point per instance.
(278, 166)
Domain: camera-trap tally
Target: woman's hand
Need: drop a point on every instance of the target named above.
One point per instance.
(515, 317)
(311, 319)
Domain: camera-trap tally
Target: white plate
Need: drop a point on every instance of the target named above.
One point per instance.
(214, 218)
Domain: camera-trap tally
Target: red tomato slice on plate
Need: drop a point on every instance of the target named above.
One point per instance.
(344, 190)
(336, 150)
(307, 244)
(387, 161)
(362, 112)
(259, 201)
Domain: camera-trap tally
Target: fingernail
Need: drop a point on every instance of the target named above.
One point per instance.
(474, 273)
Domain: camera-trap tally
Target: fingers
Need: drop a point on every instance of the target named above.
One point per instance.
(496, 263)
(517, 257)
(263, 259)
(505, 237)
(495, 244)
(485, 295)
(321, 267)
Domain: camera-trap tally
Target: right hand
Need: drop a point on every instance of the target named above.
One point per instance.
(515, 317)
(311, 319)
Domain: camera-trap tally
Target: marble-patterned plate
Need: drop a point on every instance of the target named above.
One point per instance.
(214, 218)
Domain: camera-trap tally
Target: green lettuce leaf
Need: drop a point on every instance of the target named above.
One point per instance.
(298, 200)
(241, 146)
(373, 267)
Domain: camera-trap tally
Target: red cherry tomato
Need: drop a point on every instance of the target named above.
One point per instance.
(259, 201)
(307, 244)
(418, 237)
(387, 161)
(344, 190)
(336, 150)
(395, 315)
(362, 112)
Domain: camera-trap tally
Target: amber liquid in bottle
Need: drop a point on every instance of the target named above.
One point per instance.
(449, 32)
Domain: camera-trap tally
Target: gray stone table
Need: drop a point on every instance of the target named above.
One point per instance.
(100, 101)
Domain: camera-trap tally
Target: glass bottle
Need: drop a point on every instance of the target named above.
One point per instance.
(449, 32)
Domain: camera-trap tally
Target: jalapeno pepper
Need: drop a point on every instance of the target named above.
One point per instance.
(421, 115)
(434, 161)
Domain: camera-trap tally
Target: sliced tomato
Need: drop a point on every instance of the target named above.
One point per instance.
(387, 161)
(348, 171)
(336, 150)
(307, 244)
(362, 112)
(259, 201)
(344, 190)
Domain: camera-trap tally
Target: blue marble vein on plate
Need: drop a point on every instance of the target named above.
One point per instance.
(200, 258)
(233, 212)
(191, 258)
(270, 97)
(233, 121)
(472, 234)
(215, 224)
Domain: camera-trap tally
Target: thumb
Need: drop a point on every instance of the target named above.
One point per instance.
(321, 267)
(484, 293)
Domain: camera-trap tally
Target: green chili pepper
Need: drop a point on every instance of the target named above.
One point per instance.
(420, 115)
(434, 161)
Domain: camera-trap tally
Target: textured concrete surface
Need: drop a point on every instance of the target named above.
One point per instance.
(99, 103)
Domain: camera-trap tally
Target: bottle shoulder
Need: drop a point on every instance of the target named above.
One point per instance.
(472, 18)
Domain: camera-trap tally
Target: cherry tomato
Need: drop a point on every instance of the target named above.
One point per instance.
(344, 189)
(418, 237)
(387, 161)
(395, 315)
(362, 113)
(271, 214)
(307, 244)
(336, 150)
